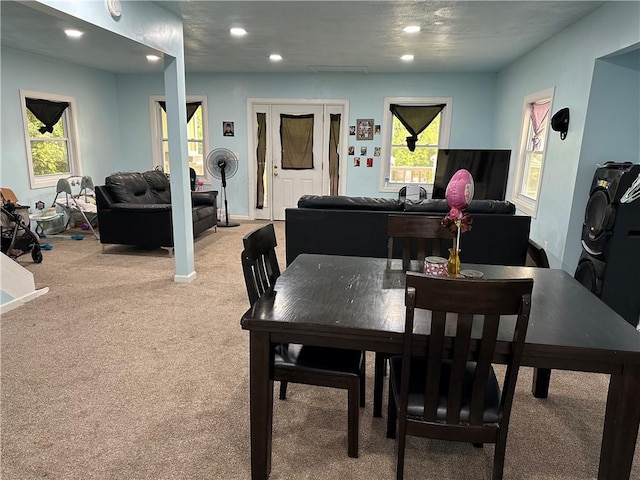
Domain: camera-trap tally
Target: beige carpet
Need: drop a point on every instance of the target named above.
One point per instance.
(120, 373)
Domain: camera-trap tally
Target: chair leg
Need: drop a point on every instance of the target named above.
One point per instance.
(283, 390)
(353, 394)
(541, 379)
(498, 456)
(402, 437)
(378, 384)
(363, 378)
(392, 414)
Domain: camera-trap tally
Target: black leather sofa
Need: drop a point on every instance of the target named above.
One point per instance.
(357, 226)
(135, 209)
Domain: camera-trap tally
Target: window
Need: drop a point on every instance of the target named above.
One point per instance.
(533, 145)
(401, 165)
(196, 134)
(50, 134)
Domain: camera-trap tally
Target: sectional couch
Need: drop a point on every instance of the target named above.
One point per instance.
(357, 226)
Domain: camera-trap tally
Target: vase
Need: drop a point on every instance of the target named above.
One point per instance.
(453, 263)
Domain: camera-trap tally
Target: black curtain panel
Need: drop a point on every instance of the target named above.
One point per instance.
(296, 141)
(191, 108)
(334, 156)
(261, 154)
(415, 118)
(47, 112)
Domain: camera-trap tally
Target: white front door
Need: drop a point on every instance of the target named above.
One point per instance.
(290, 184)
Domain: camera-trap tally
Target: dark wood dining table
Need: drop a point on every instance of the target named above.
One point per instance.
(356, 302)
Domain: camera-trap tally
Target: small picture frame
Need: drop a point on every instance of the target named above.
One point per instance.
(364, 129)
(352, 129)
(352, 150)
(356, 162)
(227, 129)
(376, 151)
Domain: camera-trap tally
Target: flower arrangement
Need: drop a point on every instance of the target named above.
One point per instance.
(459, 222)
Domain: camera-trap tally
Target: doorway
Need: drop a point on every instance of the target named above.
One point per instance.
(282, 178)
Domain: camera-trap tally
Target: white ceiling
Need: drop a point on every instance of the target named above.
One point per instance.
(364, 36)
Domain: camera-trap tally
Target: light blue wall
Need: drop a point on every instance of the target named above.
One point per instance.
(227, 94)
(96, 114)
(565, 62)
(611, 133)
(108, 146)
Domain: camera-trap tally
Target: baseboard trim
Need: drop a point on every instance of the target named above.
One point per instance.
(185, 278)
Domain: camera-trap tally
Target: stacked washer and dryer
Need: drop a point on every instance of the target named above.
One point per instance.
(609, 265)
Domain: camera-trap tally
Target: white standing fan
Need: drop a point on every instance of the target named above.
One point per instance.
(222, 163)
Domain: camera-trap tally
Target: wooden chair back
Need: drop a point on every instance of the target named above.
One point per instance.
(421, 234)
(259, 261)
(536, 255)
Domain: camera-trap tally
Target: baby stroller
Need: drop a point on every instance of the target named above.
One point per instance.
(17, 237)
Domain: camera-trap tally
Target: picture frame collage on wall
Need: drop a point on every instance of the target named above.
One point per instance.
(365, 129)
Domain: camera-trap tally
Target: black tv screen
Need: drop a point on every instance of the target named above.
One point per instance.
(489, 169)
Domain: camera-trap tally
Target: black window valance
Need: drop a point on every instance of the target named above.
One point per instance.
(46, 111)
(191, 108)
(415, 118)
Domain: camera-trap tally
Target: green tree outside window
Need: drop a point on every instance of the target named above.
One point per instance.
(49, 151)
(418, 166)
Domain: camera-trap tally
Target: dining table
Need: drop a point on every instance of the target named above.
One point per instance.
(358, 303)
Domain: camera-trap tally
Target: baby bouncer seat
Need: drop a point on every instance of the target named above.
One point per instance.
(79, 205)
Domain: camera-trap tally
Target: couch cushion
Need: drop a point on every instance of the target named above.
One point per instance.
(349, 203)
(476, 206)
(159, 185)
(202, 212)
(129, 187)
(431, 205)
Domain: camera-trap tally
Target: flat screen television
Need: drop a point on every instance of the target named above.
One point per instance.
(489, 169)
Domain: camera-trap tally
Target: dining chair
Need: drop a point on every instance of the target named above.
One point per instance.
(425, 236)
(311, 365)
(445, 387)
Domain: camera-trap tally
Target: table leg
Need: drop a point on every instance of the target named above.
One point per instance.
(621, 422)
(261, 404)
(541, 378)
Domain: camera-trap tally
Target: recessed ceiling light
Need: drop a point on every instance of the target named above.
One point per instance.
(153, 58)
(71, 33)
(274, 57)
(407, 58)
(411, 29)
(238, 32)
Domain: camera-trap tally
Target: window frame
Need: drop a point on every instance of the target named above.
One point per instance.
(523, 202)
(73, 150)
(156, 130)
(387, 128)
